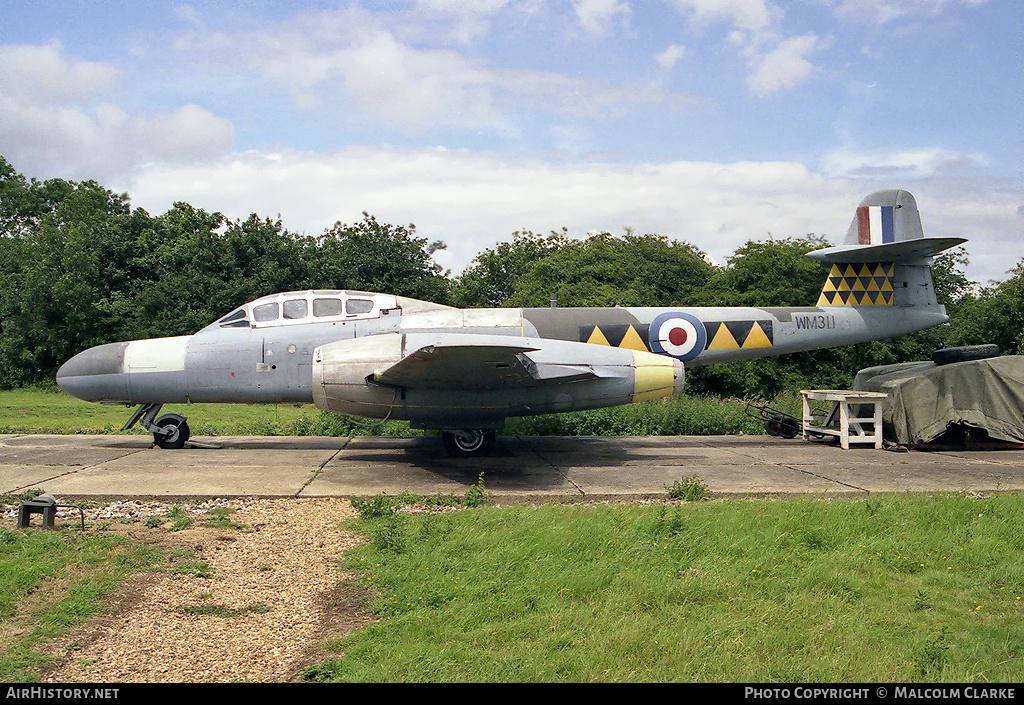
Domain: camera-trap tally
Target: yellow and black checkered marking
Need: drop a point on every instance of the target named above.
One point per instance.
(736, 335)
(868, 284)
(617, 336)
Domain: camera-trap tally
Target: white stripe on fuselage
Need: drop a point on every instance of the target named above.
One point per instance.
(156, 355)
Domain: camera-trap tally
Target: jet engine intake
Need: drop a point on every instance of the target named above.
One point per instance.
(341, 371)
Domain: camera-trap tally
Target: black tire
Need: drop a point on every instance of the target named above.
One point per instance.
(468, 442)
(789, 428)
(783, 426)
(172, 433)
(966, 353)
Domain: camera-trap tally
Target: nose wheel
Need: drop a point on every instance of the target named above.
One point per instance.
(468, 442)
(169, 431)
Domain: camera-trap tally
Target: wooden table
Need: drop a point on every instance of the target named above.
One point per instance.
(840, 421)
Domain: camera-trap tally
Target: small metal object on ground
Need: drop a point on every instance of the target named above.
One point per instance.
(43, 504)
(46, 505)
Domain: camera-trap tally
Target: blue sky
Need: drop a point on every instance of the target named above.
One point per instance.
(711, 121)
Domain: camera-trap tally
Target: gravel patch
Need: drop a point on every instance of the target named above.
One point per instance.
(272, 592)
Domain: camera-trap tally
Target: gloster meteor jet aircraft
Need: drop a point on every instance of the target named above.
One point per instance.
(464, 371)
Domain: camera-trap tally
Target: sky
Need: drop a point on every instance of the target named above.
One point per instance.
(715, 122)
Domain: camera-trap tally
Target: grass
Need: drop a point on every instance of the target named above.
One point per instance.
(900, 588)
(50, 581)
(49, 410)
(904, 589)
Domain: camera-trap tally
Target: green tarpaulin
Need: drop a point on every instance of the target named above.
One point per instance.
(925, 399)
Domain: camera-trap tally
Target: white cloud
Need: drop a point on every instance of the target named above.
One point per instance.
(472, 201)
(847, 160)
(775, 62)
(747, 15)
(783, 67)
(56, 118)
(463, 7)
(883, 11)
(671, 56)
(403, 84)
(598, 16)
(415, 88)
(988, 218)
(106, 143)
(463, 21)
(40, 73)
(189, 14)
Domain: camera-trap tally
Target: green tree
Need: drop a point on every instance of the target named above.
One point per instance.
(600, 270)
(374, 256)
(65, 257)
(495, 275)
(202, 266)
(994, 315)
(776, 272)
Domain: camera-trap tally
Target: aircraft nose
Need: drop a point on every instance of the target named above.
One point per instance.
(96, 374)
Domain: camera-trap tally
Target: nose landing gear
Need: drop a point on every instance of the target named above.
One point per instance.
(169, 431)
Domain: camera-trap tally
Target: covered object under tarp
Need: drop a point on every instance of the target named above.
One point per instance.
(926, 400)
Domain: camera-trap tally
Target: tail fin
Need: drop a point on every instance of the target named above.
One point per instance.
(886, 259)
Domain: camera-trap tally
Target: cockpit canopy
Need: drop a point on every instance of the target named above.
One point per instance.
(300, 307)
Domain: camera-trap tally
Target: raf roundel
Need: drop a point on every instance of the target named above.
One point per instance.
(679, 335)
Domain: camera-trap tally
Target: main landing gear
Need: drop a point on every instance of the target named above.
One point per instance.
(169, 431)
(468, 442)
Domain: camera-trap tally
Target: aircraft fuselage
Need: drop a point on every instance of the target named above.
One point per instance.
(274, 363)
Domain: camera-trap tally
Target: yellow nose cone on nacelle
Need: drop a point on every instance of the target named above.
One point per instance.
(656, 376)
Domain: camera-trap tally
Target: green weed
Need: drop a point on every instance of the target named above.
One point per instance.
(199, 569)
(688, 489)
(476, 496)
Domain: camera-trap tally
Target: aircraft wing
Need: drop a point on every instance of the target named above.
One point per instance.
(448, 361)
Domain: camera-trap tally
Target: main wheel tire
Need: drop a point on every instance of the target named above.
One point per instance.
(965, 353)
(472, 441)
(172, 432)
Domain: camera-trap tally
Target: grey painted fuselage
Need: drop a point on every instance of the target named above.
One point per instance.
(273, 363)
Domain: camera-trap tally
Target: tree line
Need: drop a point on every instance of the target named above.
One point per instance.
(79, 266)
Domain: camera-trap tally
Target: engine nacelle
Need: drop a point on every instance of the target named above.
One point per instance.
(457, 380)
(341, 369)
